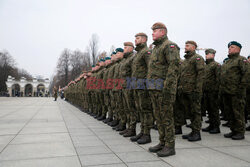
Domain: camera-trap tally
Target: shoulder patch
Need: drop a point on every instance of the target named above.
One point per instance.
(198, 58)
(172, 46)
(149, 52)
(245, 60)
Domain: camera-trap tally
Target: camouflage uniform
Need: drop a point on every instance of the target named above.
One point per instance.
(163, 65)
(233, 85)
(141, 96)
(211, 89)
(190, 86)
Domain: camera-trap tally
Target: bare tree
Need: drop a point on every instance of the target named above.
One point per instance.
(93, 47)
(63, 66)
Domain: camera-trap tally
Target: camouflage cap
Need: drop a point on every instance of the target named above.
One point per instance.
(128, 44)
(212, 51)
(234, 43)
(193, 43)
(141, 34)
(158, 25)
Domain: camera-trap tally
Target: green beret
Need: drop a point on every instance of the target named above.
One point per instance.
(107, 58)
(119, 50)
(248, 57)
(212, 51)
(93, 65)
(234, 43)
(102, 59)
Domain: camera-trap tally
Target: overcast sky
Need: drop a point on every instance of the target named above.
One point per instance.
(35, 32)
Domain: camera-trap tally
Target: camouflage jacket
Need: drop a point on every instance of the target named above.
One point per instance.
(125, 68)
(99, 80)
(192, 73)
(212, 76)
(116, 78)
(234, 75)
(164, 65)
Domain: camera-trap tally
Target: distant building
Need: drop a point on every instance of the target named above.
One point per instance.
(25, 88)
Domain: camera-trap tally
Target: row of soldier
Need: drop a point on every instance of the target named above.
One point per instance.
(155, 87)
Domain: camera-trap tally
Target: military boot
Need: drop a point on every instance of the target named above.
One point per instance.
(114, 123)
(166, 151)
(129, 133)
(229, 135)
(137, 137)
(101, 118)
(156, 148)
(115, 127)
(207, 129)
(186, 136)
(195, 136)
(178, 130)
(238, 136)
(144, 139)
(107, 120)
(214, 130)
(121, 127)
(123, 132)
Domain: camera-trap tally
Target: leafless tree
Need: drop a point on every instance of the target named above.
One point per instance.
(63, 66)
(93, 47)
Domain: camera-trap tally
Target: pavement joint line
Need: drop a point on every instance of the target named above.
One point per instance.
(38, 109)
(98, 137)
(70, 135)
(38, 158)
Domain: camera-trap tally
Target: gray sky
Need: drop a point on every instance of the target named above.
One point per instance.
(35, 32)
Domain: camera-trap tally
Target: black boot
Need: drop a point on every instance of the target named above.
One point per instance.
(144, 139)
(207, 129)
(248, 128)
(238, 136)
(156, 148)
(178, 130)
(214, 130)
(121, 127)
(137, 137)
(229, 135)
(186, 136)
(101, 118)
(129, 133)
(123, 132)
(188, 125)
(115, 127)
(207, 121)
(114, 123)
(106, 120)
(195, 136)
(166, 151)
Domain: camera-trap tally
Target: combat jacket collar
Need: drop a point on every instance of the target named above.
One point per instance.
(233, 55)
(160, 40)
(140, 47)
(189, 54)
(126, 55)
(208, 61)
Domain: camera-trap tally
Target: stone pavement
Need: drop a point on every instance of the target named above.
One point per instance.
(39, 132)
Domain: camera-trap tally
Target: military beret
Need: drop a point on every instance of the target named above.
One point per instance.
(102, 60)
(212, 51)
(158, 25)
(119, 50)
(192, 42)
(248, 57)
(141, 34)
(128, 44)
(93, 65)
(234, 43)
(107, 58)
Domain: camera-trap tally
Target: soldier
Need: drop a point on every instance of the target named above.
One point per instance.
(211, 89)
(55, 93)
(233, 87)
(162, 84)
(247, 108)
(127, 94)
(141, 96)
(190, 85)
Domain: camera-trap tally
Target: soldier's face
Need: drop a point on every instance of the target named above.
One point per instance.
(248, 59)
(119, 55)
(233, 49)
(107, 62)
(189, 47)
(210, 56)
(89, 73)
(157, 33)
(128, 49)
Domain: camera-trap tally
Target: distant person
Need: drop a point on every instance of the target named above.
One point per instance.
(55, 93)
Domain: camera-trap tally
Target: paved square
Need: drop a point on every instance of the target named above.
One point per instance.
(39, 132)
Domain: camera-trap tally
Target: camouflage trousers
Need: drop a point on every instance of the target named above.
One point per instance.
(247, 106)
(129, 108)
(163, 112)
(235, 105)
(144, 106)
(119, 109)
(211, 101)
(98, 107)
(112, 106)
(192, 107)
(107, 104)
(179, 114)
